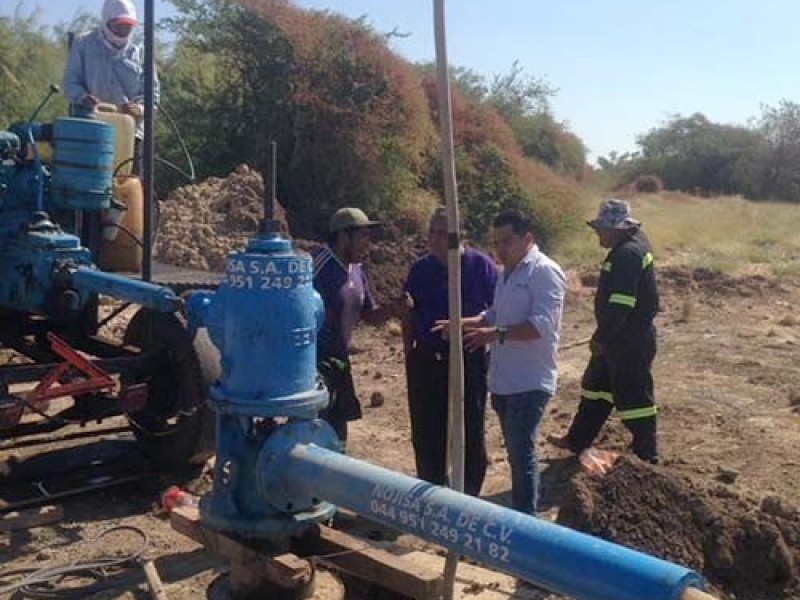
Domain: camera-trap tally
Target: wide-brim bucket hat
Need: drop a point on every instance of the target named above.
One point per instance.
(614, 214)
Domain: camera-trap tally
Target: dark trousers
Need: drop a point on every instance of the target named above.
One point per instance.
(343, 403)
(620, 378)
(427, 377)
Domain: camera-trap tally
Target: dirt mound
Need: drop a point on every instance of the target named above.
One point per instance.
(199, 224)
(715, 283)
(710, 282)
(389, 260)
(749, 551)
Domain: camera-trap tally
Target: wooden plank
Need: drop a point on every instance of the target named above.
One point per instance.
(286, 570)
(30, 518)
(366, 561)
(154, 580)
(473, 582)
(335, 549)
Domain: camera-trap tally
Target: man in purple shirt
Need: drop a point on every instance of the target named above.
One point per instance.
(341, 280)
(427, 357)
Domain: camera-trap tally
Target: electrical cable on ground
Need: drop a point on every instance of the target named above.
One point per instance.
(43, 581)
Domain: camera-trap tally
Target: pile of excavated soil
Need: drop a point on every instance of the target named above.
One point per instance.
(746, 551)
(200, 224)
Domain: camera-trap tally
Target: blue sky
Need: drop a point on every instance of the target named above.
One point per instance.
(621, 66)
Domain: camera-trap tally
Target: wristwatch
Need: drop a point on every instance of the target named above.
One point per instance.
(501, 335)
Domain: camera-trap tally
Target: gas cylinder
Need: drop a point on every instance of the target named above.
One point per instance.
(124, 136)
(120, 251)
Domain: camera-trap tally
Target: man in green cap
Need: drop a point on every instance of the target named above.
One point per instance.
(341, 280)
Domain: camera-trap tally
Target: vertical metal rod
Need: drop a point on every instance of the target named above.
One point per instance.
(148, 148)
(270, 177)
(273, 180)
(455, 421)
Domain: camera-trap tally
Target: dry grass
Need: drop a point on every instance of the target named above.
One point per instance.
(726, 233)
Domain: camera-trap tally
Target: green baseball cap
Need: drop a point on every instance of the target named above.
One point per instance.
(349, 217)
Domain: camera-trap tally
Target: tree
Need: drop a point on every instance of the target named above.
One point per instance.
(690, 153)
(543, 138)
(30, 60)
(343, 109)
(517, 94)
(780, 127)
(524, 103)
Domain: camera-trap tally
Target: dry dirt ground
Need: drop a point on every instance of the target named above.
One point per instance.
(724, 501)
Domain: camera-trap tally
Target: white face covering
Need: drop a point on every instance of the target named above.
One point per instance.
(114, 41)
(114, 9)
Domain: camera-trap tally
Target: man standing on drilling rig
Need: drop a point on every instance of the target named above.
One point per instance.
(624, 344)
(105, 66)
(339, 277)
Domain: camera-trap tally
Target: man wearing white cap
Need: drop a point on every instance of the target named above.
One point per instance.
(623, 346)
(104, 66)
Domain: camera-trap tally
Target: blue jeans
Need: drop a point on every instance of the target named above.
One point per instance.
(520, 415)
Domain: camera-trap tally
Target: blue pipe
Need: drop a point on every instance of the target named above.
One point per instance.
(554, 557)
(156, 297)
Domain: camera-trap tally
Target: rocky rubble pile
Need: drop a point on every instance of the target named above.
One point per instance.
(200, 224)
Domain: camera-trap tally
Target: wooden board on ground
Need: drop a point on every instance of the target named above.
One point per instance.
(32, 517)
(332, 549)
(474, 582)
(369, 562)
(287, 570)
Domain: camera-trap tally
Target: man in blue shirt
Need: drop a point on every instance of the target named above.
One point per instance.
(522, 327)
(427, 361)
(339, 277)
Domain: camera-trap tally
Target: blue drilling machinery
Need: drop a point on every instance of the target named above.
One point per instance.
(50, 304)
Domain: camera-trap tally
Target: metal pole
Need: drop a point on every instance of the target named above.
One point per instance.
(270, 177)
(557, 558)
(273, 180)
(147, 166)
(455, 421)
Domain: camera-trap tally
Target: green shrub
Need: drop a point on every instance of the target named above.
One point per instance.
(648, 184)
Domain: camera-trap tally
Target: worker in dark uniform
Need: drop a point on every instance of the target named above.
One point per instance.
(623, 346)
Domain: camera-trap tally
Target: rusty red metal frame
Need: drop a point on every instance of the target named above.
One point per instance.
(95, 378)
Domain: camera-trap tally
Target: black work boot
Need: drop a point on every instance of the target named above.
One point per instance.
(586, 425)
(644, 445)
